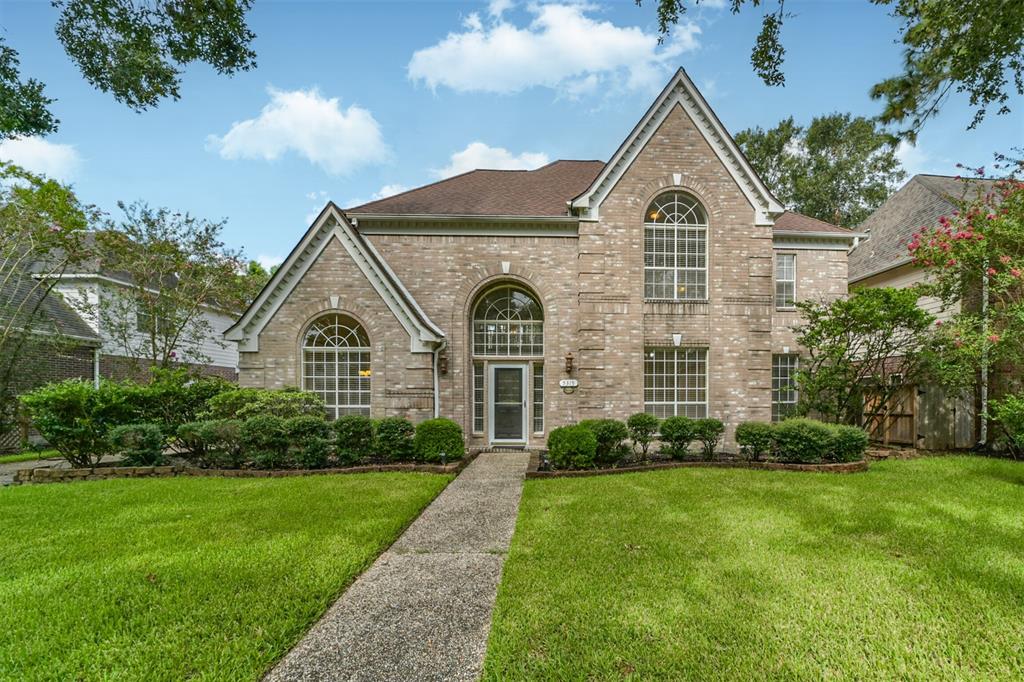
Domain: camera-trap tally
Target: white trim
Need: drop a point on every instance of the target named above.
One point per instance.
(332, 223)
(845, 236)
(804, 242)
(879, 271)
(681, 91)
(523, 367)
(88, 277)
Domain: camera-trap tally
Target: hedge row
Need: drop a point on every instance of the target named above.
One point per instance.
(803, 441)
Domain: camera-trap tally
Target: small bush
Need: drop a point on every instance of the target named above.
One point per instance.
(709, 433)
(315, 453)
(354, 438)
(140, 444)
(303, 428)
(190, 440)
(755, 439)
(220, 441)
(676, 436)
(849, 443)
(643, 428)
(265, 440)
(242, 403)
(803, 440)
(572, 447)
(436, 436)
(1008, 413)
(609, 433)
(226, 405)
(394, 439)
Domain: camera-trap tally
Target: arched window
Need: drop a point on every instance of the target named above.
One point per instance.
(336, 364)
(508, 322)
(675, 248)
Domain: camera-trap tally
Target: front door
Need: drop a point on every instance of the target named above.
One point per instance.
(508, 403)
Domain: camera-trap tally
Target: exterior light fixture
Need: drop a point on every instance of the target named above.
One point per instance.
(569, 360)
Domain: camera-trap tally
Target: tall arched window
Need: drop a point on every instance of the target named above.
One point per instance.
(675, 248)
(508, 322)
(336, 364)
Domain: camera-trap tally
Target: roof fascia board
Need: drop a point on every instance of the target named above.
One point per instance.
(882, 270)
(104, 279)
(460, 218)
(681, 90)
(805, 241)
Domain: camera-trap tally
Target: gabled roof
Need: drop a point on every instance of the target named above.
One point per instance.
(535, 193)
(681, 91)
(55, 317)
(890, 228)
(332, 223)
(792, 222)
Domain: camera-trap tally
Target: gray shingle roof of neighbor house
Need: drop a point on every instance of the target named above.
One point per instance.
(890, 228)
(543, 192)
(55, 315)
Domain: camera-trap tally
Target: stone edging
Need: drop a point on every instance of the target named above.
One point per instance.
(50, 475)
(833, 468)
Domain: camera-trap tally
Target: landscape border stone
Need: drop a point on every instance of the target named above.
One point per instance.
(831, 468)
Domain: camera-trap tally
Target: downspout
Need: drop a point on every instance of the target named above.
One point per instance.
(437, 378)
(96, 367)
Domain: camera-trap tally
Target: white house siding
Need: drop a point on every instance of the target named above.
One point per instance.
(903, 277)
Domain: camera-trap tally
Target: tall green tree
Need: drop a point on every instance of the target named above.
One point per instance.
(134, 50)
(42, 225)
(838, 169)
(971, 46)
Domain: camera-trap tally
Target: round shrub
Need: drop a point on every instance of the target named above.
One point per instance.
(227, 404)
(314, 453)
(190, 440)
(803, 440)
(140, 444)
(643, 428)
(437, 436)
(572, 447)
(305, 427)
(221, 443)
(395, 439)
(265, 440)
(755, 439)
(609, 434)
(353, 437)
(849, 443)
(709, 433)
(676, 436)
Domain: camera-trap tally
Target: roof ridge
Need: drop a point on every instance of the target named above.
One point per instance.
(817, 220)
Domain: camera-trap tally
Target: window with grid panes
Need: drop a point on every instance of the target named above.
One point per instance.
(336, 364)
(785, 280)
(676, 382)
(784, 392)
(675, 249)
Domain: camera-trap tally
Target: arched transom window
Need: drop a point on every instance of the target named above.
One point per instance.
(508, 322)
(675, 248)
(336, 364)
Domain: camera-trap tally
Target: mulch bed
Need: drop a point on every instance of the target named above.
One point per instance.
(833, 468)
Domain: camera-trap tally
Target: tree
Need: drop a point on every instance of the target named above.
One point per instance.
(41, 233)
(839, 169)
(175, 270)
(971, 46)
(134, 50)
(855, 346)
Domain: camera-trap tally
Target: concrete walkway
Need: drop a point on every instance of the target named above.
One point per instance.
(423, 609)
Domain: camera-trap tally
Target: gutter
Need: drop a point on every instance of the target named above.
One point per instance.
(437, 378)
(845, 236)
(883, 269)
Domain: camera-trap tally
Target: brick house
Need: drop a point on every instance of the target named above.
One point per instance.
(662, 280)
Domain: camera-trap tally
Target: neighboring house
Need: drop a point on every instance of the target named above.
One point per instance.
(928, 417)
(517, 301)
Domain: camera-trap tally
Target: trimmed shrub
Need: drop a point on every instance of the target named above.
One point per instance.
(709, 432)
(242, 403)
(609, 433)
(219, 441)
(1008, 412)
(313, 454)
(175, 397)
(572, 447)
(849, 443)
(436, 436)
(643, 428)
(755, 439)
(265, 440)
(803, 440)
(394, 439)
(191, 442)
(308, 436)
(676, 436)
(76, 418)
(353, 437)
(306, 427)
(140, 444)
(226, 405)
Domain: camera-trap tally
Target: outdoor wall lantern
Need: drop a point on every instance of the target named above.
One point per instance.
(569, 360)
(442, 363)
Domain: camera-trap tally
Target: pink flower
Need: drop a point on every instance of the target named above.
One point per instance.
(173, 354)
(1015, 272)
(1004, 259)
(958, 343)
(991, 271)
(994, 338)
(951, 262)
(938, 323)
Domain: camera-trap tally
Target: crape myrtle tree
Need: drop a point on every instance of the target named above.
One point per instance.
(838, 169)
(975, 261)
(974, 47)
(42, 225)
(135, 50)
(855, 346)
(177, 271)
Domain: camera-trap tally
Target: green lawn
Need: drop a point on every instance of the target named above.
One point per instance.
(28, 456)
(914, 570)
(184, 578)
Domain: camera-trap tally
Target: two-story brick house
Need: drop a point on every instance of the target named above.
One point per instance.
(662, 280)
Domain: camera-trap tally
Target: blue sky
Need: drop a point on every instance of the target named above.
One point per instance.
(352, 100)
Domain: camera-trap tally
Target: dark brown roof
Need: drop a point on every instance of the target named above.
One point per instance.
(537, 193)
(791, 221)
(54, 317)
(890, 228)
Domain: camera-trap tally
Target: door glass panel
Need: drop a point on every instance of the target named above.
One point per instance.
(508, 403)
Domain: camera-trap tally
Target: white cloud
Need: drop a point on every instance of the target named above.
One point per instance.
(498, 7)
(563, 48)
(58, 161)
(479, 155)
(389, 191)
(303, 121)
(269, 261)
(914, 159)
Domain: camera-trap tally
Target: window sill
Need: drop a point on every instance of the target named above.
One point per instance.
(781, 309)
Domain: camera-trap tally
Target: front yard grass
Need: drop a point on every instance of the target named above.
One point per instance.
(185, 578)
(913, 570)
(28, 456)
